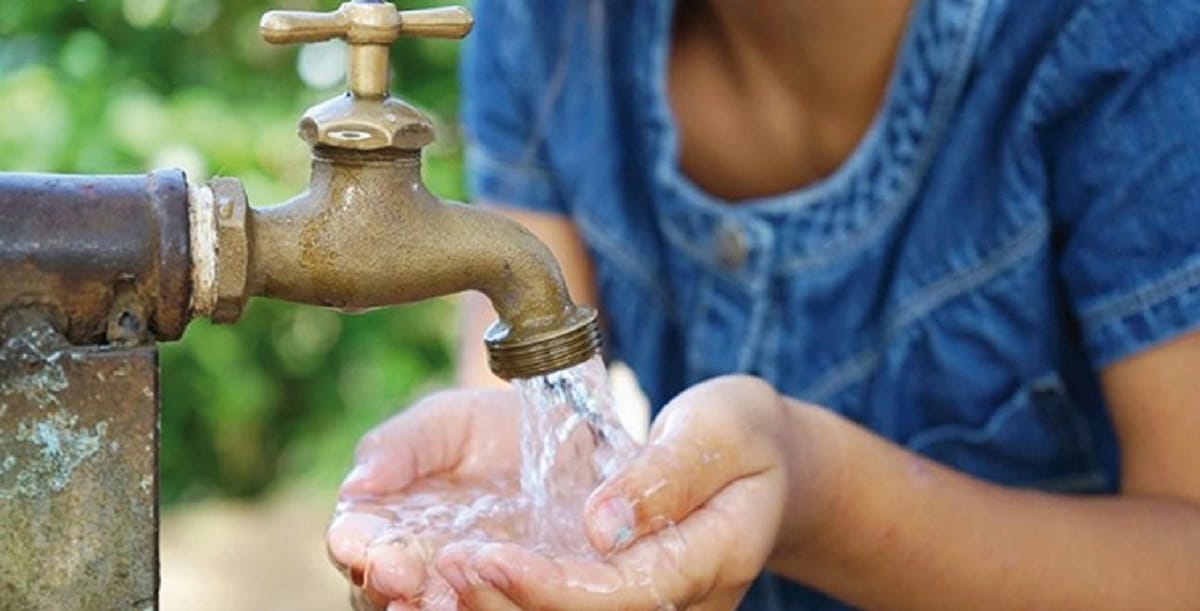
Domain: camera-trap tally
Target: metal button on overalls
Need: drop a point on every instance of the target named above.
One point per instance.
(731, 246)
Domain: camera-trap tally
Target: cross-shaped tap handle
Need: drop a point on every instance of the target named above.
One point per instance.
(369, 27)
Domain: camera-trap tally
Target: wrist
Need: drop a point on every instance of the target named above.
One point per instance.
(816, 454)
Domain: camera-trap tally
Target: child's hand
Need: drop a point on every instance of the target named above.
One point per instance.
(448, 440)
(715, 468)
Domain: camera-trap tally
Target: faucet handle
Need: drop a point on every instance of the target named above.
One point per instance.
(369, 26)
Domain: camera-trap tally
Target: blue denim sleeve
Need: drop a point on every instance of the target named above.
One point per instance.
(500, 75)
(1122, 94)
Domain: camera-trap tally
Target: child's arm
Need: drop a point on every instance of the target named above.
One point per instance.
(909, 533)
(750, 479)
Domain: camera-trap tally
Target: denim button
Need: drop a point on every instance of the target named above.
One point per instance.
(732, 248)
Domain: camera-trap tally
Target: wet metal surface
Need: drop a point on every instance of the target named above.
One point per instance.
(106, 257)
(78, 479)
(367, 233)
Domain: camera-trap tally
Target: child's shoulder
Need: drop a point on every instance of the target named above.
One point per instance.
(1078, 51)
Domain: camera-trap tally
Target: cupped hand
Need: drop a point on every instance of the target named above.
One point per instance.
(688, 524)
(455, 449)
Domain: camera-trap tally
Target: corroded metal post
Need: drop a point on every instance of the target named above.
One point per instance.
(78, 476)
(93, 269)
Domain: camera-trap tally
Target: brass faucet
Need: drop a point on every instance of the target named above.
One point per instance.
(94, 269)
(367, 233)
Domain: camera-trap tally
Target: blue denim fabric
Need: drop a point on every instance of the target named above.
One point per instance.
(1024, 210)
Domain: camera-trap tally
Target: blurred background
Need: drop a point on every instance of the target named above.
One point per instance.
(259, 419)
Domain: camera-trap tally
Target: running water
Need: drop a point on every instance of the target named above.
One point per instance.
(571, 441)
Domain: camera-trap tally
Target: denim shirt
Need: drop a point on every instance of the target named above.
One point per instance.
(1023, 211)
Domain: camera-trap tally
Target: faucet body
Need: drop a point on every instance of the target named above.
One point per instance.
(147, 254)
(366, 233)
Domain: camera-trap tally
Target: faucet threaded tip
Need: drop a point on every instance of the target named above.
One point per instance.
(515, 357)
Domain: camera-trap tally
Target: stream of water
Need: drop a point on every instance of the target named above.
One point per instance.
(571, 440)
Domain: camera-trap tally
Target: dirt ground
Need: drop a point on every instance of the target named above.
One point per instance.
(263, 556)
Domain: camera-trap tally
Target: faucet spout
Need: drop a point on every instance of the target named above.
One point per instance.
(367, 233)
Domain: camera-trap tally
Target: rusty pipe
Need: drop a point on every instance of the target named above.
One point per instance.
(367, 233)
(129, 259)
(104, 258)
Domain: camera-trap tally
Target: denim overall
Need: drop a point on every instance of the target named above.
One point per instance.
(1023, 211)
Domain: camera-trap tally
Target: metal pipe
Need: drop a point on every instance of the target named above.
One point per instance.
(105, 257)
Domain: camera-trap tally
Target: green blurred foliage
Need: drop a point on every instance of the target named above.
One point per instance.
(124, 86)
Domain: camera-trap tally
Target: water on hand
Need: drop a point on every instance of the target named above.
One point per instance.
(571, 440)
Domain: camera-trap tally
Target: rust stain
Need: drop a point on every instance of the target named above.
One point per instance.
(73, 244)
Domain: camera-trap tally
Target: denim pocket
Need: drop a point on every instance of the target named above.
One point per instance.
(1036, 439)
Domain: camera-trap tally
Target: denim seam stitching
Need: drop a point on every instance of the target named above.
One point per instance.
(927, 438)
(1142, 298)
(553, 91)
(1094, 476)
(1049, 71)
(769, 356)
(953, 285)
(928, 300)
(943, 106)
(703, 258)
(841, 375)
(684, 243)
(480, 156)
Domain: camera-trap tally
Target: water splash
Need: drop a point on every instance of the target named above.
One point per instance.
(571, 441)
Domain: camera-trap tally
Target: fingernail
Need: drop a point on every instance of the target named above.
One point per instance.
(455, 576)
(357, 474)
(613, 521)
(493, 575)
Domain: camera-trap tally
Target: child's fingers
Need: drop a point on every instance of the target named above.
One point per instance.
(348, 538)
(531, 580)
(363, 600)
(703, 562)
(437, 595)
(395, 567)
(702, 443)
(430, 437)
(472, 591)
